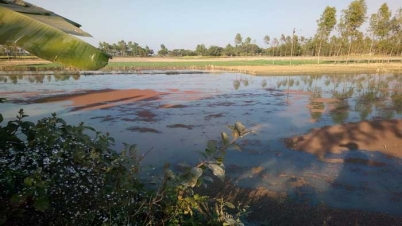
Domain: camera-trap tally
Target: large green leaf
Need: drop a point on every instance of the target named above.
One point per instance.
(48, 42)
(45, 16)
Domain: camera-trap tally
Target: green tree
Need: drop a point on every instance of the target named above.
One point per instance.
(267, 41)
(149, 51)
(247, 41)
(163, 51)
(106, 47)
(396, 31)
(229, 50)
(275, 44)
(201, 50)
(215, 51)
(325, 26)
(380, 25)
(354, 16)
(283, 45)
(238, 39)
(123, 48)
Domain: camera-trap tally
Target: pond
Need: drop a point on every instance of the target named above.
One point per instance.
(355, 165)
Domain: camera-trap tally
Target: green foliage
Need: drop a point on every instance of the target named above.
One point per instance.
(214, 51)
(325, 26)
(355, 16)
(238, 39)
(380, 22)
(55, 172)
(48, 42)
(163, 51)
(327, 22)
(201, 50)
(125, 49)
(267, 39)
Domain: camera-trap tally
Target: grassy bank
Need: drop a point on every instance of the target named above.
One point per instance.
(248, 65)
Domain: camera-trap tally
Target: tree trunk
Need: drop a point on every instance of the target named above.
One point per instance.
(339, 51)
(291, 51)
(390, 55)
(319, 51)
(350, 48)
(371, 48)
(330, 50)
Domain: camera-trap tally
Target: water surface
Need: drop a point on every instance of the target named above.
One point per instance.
(175, 114)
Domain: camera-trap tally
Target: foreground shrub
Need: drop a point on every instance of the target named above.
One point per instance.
(52, 173)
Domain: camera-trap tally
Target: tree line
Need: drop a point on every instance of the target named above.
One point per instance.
(334, 37)
(123, 48)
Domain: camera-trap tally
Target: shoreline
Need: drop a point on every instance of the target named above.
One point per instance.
(251, 66)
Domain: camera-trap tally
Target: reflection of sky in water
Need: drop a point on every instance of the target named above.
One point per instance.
(208, 102)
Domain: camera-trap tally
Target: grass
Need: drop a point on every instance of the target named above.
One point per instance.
(172, 64)
(255, 66)
(209, 63)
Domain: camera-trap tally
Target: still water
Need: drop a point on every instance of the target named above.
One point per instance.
(175, 114)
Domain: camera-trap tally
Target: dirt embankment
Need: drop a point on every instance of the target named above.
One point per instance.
(315, 69)
(384, 136)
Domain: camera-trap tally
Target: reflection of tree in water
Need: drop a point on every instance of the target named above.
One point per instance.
(245, 82)
(340, 109)
(287, 83)
(36, 79)
(14, 78)
(3, 79)
(377, 95)
(283, 83)
(309, 80)
(76, 76)
(396, 100)
(291, 83)
(372, 96)
(39, 78)
(61, 77)
(364, 105)
(340, 112)
(316, 107)
(236, 84)
(264, 83)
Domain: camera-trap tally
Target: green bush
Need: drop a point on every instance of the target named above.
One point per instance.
(52, 173)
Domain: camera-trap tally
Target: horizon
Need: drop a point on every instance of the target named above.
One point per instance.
(185, 25)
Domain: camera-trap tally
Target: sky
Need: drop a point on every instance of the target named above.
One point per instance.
(186, 23)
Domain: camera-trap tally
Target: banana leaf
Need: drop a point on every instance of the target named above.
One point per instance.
(48, 42)
(45, 16)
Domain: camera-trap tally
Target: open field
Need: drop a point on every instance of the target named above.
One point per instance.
(248, 65)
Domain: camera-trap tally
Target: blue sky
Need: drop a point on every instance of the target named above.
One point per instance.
(184, 24)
